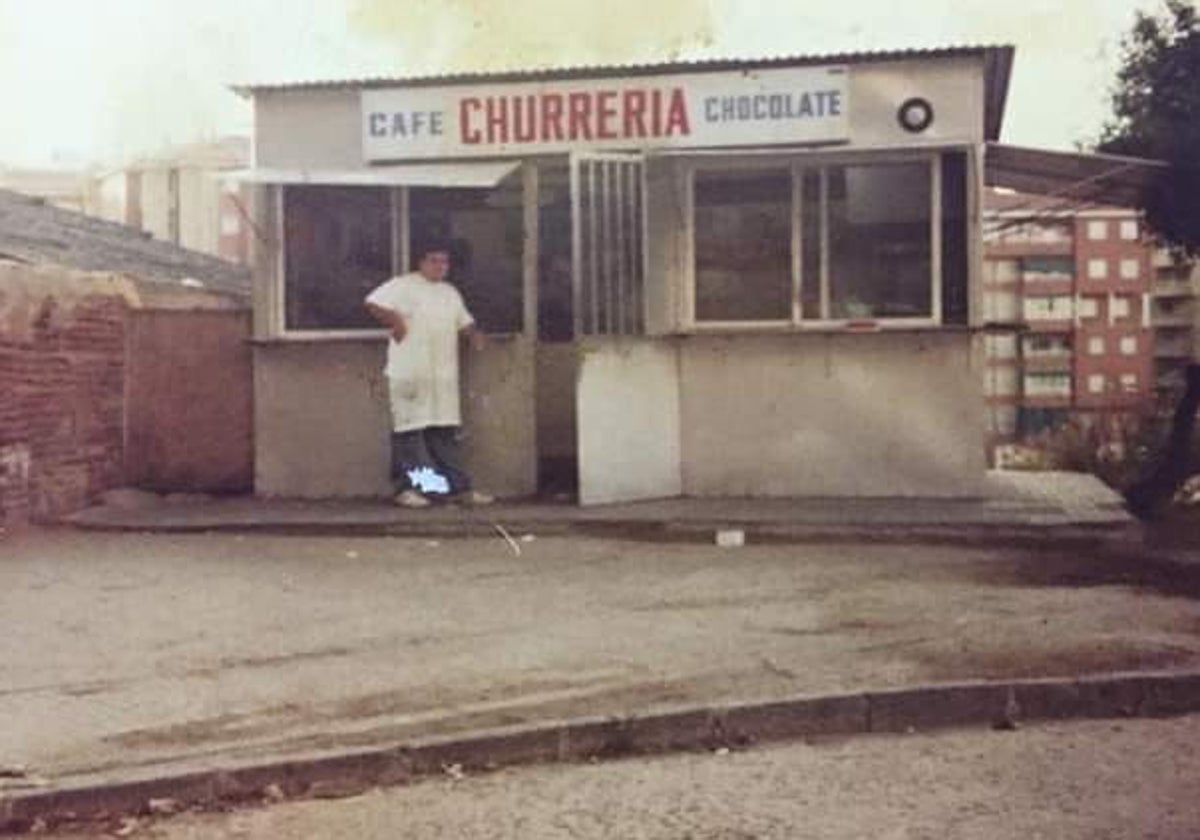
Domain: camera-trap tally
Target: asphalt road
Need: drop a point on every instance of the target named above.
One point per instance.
(1094, 780)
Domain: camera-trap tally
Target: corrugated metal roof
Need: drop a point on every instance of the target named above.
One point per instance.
(35, 232)
(632, 69)
(997, 70)
(1072, 177)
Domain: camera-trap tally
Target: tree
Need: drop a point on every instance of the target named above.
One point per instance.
(1156, 114)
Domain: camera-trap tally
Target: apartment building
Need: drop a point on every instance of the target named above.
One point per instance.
(1175, 317)
(182, 195)
(1068, 297)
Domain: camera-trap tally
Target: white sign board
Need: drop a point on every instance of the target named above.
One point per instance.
(735, 108)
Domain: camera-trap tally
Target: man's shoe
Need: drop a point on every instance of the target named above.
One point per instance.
(473, 498)
(411, 499)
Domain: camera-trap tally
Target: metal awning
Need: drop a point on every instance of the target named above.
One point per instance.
(463, 174)
(1078, 177)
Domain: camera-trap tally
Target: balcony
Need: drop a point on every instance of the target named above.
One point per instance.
(1173, 288)
(1173, 347)
(1048, 362)
(1178, 320)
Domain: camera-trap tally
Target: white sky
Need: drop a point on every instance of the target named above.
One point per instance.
(100, 81)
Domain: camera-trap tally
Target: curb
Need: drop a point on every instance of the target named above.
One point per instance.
(995, 704)
(1061, 535)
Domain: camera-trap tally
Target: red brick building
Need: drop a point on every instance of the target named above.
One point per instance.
(1067, 290)
(112, 346)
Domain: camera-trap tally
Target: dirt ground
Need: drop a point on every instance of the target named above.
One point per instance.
(128, 653)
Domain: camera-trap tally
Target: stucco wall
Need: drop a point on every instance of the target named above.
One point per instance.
(837, 415)
(322, 427)
(320, 419)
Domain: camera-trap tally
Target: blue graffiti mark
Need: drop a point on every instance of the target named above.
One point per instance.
(428, 480)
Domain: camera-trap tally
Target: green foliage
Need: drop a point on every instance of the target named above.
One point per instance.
(1156, 114)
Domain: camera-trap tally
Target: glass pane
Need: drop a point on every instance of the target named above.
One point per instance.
(744, 245)
(879, 240)
(555, 291)
(338, 247)
(484, 229)
(954, 238)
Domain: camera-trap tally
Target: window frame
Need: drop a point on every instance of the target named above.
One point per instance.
(797, 166)
(399, 223)
(400, 218)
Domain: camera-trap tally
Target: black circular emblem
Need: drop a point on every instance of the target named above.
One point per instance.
(915, 114)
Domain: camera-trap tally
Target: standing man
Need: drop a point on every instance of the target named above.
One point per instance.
(425, 315)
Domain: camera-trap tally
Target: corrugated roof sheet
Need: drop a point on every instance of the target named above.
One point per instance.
(633, 68)
(35, 232)
(1072, 177)
(997, 68)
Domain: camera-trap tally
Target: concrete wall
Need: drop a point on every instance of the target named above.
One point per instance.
(499, 417)
(836, 415)
(320, 419)
(629, 435)
(322, 426)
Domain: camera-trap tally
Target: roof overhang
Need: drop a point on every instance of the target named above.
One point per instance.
(482, 174)
(1076, 177)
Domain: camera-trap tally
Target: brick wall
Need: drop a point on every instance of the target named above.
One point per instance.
(62, 382)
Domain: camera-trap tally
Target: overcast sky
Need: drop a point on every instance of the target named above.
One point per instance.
(101, 81)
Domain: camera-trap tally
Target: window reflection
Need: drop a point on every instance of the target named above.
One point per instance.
(743, 245)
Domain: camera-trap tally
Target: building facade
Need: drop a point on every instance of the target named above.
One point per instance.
(181, 196)
(716, 279)
(1068, 294)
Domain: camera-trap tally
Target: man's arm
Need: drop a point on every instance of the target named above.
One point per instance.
(390, 318)
(477, 339)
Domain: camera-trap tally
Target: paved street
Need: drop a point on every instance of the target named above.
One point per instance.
(137, 653)
(1093, 781)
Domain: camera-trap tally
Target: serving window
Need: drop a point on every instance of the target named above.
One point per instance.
(834, 244)
(337, 248)
(340, 242)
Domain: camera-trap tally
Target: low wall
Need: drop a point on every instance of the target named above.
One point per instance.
(322, 425)
(62, 379)
(888, 414)
(75, 413)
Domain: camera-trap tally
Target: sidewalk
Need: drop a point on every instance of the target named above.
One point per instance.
(1016, 506)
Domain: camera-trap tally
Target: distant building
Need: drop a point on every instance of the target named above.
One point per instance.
(180, 196)
(1175, 317)
(1068, 294)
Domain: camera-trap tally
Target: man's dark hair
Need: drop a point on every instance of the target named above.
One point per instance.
(433, 245)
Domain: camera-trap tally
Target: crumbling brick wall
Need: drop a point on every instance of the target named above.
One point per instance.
(62, 381)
